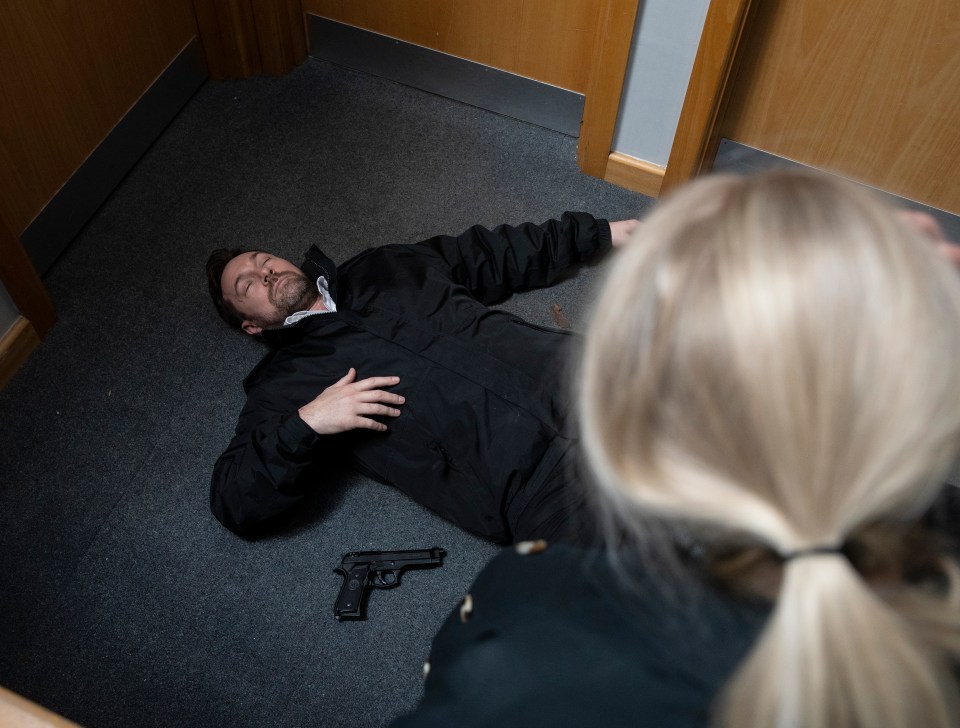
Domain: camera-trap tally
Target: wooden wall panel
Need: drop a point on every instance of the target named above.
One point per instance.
(548, 40)
(866, 88)
(559, 44)
(69, 70)
(489, 33)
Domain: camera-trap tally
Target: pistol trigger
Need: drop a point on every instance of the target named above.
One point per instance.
(384, 579)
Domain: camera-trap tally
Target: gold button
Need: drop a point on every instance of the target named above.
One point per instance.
(525, 548)
(466, 608)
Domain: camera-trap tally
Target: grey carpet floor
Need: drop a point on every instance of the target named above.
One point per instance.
(122, 601)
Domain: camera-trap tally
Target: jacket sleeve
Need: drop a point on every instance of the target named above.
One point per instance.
(266, 469)
(492, 264)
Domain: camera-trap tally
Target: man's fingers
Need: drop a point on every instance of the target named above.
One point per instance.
(621, 231)
(377, 409)
(925, 223)
(364, 412)
(378, 395)
(349, 404)
(950, 251)
(376, 382)
(347, 378)
(362, 423)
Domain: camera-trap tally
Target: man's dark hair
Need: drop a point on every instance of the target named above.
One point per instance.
(215, 264)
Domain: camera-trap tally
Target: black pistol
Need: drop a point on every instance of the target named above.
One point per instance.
(378, 569)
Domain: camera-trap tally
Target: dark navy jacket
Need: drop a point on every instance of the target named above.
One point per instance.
(563, 639)
(485, 410)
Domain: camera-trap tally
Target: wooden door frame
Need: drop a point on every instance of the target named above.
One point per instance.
(242, 38)
(695, 141)
(611, 51)
(23, 284)
(697, 136)
(29, 295)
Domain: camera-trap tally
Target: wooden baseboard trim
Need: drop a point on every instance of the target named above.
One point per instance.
(440, 73)
(15, 347)
(634, 174)
(89, 186)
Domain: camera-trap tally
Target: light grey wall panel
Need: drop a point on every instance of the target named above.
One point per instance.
(665, 45)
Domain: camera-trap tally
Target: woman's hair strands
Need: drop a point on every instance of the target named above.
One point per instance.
(776, 357)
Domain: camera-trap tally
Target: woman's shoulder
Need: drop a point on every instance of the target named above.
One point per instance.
(596, 591)
(558, 635)
(542, 567)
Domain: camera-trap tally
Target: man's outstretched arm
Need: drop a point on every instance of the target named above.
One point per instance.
(269, 465)
(492, 264)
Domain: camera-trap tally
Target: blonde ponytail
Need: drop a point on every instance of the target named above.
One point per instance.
(833, 654)
(776, 358)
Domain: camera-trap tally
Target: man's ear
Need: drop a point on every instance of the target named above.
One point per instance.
(251, 328)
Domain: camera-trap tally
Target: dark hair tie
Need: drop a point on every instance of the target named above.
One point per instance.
(813, 551)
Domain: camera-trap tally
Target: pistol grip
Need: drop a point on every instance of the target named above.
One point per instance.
(350, 598)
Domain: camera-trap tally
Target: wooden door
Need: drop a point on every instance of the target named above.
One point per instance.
(547, 40)
(579, 45)
(867, 89)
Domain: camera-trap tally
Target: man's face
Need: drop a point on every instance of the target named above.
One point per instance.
(265, 289)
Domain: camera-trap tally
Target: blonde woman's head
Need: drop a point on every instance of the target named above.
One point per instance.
(776, 357)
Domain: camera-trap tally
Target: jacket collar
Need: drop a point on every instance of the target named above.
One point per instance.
(314, 265)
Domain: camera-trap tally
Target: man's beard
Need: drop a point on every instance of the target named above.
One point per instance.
(296, 294)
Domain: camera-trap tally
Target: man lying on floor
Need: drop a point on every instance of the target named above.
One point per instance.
(394, 362)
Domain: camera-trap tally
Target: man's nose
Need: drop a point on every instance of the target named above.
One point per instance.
(267, 274)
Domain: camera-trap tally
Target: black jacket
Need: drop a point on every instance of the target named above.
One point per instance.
(562, 638)
(485, 395)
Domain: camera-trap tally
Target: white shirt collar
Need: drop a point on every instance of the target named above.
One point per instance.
(329, 306)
